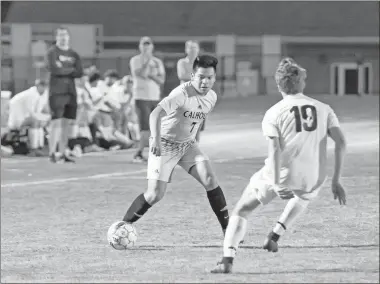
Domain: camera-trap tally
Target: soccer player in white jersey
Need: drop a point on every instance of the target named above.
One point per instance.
(297, 129)
(185, 69)
(173, 125)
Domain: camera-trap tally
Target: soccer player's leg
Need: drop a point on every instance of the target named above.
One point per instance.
(57, 103)
(197, 164)
(68, 126)
(294, 208)
(159, 173)
(257, 192)
(143, 113)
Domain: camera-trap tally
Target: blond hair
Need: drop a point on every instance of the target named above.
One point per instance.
(290, 77)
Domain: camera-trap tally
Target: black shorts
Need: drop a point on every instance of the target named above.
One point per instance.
(63, 106)
(143, 110)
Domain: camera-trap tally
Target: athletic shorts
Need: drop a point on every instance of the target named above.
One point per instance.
(260, 183)
(63, 106)
(143, 110)
(185, 155)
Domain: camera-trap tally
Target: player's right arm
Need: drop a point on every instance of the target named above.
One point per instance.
(55, 67)
(271, 131)
(138, 69)
(168, 105)
(336, 134)
(181, 71)
(155, 130)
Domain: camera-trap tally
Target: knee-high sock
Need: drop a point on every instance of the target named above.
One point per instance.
(236, 230)
(219, 205)
(292, 211)
(33, 134)
(41, 137)
(137, 209)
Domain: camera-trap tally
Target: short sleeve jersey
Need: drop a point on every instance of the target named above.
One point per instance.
(301, 124)
(185, 111)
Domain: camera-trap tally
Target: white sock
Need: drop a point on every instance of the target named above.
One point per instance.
(33, 137)
(292, 211)
(237, 226)
(41, 138)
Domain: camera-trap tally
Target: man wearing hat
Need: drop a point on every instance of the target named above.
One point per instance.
(148, 75)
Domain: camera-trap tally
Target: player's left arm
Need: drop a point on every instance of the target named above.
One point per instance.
(160, 77)
(78, 69)
(335, 133)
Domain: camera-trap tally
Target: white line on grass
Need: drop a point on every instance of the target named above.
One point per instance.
(133, 173)
(62, 180)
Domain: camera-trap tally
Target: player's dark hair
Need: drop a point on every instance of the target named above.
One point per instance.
(205, 61)
(290, 77)
(94, 76)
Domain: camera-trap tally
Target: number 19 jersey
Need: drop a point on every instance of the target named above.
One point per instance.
(301, 123)
(185, 111)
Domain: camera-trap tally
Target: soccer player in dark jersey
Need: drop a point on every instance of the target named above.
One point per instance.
(64, 65)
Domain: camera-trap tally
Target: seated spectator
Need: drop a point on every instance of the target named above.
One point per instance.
(82, 140)
(108, 105)
(29, 109)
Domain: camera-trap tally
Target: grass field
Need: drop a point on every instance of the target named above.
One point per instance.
(54, 218)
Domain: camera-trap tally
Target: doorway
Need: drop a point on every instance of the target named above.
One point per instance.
(351, 79)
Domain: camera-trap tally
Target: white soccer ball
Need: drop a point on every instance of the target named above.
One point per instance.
(122, 235)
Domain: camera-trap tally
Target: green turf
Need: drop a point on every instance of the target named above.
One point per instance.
(54, 218)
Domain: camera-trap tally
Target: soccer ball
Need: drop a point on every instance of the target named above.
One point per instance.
(122, 235)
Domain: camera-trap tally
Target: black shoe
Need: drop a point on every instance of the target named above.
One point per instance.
(68, 159)
(224, 267)
(35, 153)
(139, 158)
(56, 159)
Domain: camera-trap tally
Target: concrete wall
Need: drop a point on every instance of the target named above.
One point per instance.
(317, 59)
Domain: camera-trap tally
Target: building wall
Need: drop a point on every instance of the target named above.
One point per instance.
(317, 59)
(199, 18)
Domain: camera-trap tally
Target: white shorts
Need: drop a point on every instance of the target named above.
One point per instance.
(261, 184)
(185, 155)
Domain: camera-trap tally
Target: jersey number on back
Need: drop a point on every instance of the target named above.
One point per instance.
(309, 121)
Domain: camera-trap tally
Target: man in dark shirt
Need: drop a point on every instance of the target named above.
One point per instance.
(64, 65)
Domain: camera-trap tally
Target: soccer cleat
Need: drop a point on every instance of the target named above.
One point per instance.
(67, 159)
(35, 153)
(139, 158)
(270, 245)
(56, 158)
(222, 267)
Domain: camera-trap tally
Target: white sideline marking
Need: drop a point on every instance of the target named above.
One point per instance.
(120, 174)
(61, 180)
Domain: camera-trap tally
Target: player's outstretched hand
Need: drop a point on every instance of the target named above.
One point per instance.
(283, 192)
(338, 192)
(155, 146)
